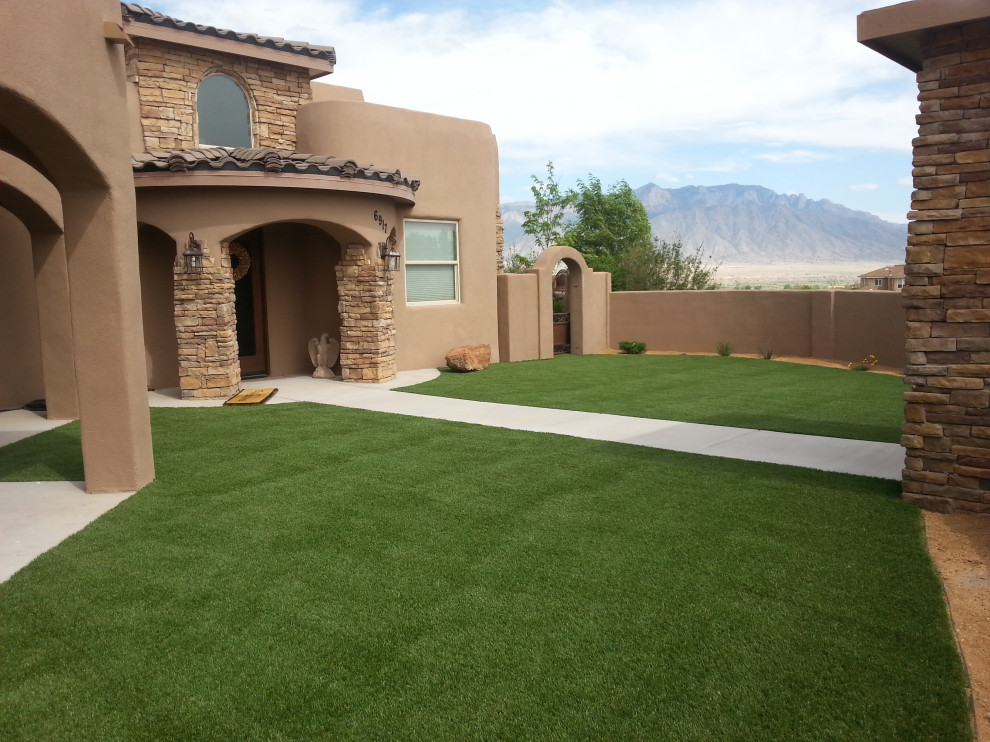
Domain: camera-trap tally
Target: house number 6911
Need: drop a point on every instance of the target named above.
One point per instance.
(380, 219)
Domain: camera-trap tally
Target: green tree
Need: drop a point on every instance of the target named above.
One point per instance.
(546, 221)
(610, 224)
(665, 266)
(518, 263)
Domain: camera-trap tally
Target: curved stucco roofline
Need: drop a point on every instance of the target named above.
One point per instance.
(29, 195)
(275, 180)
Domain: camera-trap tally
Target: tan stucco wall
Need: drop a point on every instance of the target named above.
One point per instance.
(518, 316)
(20, 349)
(166, 77)
(457, 163)
(157, 255)
(833, 325)
(301, 293)
(324, 91)
(74, 126)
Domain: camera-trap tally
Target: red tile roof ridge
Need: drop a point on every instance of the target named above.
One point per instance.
(140, 14)
(268, 159)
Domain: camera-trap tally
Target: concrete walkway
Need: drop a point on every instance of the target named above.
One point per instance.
(35, 516)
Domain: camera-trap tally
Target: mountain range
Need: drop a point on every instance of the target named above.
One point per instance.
(751, 224)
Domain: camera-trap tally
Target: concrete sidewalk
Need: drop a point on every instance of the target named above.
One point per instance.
(35, 516)
(866, 458)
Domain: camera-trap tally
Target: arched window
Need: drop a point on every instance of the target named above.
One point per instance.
(223, 112)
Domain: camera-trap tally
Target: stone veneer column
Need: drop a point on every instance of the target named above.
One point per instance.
(206, 328)
(499, 240)
(947, 292)
(367, 333)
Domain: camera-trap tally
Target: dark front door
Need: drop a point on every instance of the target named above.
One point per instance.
(247, 265)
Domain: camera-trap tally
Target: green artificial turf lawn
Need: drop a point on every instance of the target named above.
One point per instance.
(303, 572)
(738, 392)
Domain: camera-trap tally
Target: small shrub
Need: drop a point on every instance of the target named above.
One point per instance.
(724, 348)
(866, 364)
(767, 352)
(632, 347)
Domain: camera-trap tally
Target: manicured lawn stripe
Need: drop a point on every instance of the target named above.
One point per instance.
(307, 572)
(738, 392)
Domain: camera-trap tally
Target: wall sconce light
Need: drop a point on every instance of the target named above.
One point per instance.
(387, 252)
(389, 257)
(193, 255)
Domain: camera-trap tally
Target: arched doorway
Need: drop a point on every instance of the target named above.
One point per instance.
(586, 302)
(287, 295)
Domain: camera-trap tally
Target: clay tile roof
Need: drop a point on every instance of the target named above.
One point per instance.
(890, 271)
(240, 159)
(140, 14)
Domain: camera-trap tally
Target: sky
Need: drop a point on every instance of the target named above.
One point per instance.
(672, 92)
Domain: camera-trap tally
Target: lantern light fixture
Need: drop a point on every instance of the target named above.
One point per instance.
(387, 252)
(193, 254)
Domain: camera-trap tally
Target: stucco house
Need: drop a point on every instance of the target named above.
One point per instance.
(272, 173)
(888, 278)
(245, 209)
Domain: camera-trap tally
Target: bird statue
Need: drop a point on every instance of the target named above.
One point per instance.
(323, 353)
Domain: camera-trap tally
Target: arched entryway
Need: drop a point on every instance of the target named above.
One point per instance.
(285, 287)
(586, 302)
(80, 222)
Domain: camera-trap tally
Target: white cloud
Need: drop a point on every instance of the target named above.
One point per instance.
(905, 182)
(667, 178)
(864, 187)
(617, 86)
(568, 73)
(793, 157)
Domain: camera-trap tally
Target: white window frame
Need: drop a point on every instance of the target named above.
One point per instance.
(456, 263)
(878, 282)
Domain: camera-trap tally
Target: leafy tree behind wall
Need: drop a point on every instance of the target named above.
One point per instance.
(613, 233)
(610, 223)
(546, 221)
(665, 266)
(518, 263)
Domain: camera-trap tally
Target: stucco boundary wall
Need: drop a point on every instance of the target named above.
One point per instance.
(844, 326)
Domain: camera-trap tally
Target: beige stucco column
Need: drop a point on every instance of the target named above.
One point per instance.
(55, 324)
(101, 239)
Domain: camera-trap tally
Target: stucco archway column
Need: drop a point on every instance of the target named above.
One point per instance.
(367, 330)
(51, 275)
(108, 338)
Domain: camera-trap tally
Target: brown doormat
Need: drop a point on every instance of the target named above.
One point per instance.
(251, 396)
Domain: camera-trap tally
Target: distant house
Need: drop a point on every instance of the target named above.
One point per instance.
(889, 278)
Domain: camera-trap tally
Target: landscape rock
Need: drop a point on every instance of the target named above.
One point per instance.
(469, 358)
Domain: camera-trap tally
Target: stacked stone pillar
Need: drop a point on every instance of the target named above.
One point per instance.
(367, 332)
(206, 328)
(947, 291)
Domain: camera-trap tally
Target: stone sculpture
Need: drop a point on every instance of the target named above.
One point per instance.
(323, 353)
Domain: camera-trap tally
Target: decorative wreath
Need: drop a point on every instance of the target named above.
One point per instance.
(243, 260)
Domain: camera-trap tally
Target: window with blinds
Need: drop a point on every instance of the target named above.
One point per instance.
(431, 257)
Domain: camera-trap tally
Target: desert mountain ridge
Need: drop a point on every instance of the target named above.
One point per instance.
(752, 224)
